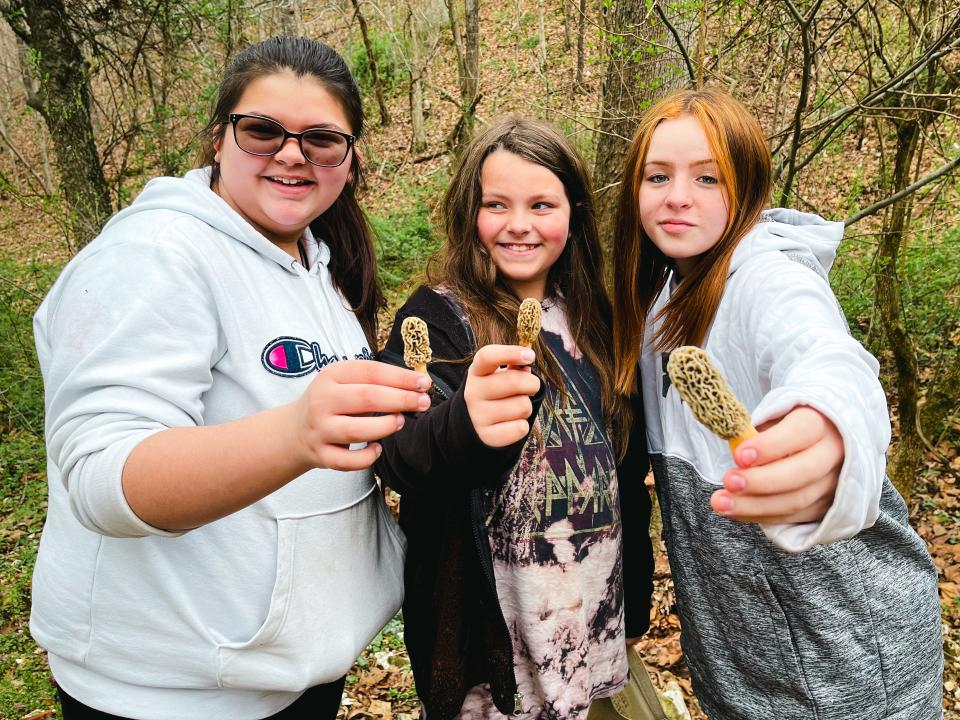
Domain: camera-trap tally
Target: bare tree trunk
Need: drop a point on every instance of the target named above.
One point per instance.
(14, 160)
(372, 59)
(8, 82)
(287, 17)
(567, 37)
(418, 128)
(581, 31)
(468, 66)
(64, 102)
(931, 94)
(909, 448)
(471, 65)
(541, 38)
(638, 69)
(807, 42)
(44, 155)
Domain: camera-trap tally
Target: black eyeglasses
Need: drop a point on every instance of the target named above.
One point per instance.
(257, 135)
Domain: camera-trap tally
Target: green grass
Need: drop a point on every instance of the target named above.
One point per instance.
(24, 678)
(931, 290)
(25, 684)
(406, 239)
(390, 67)
(22, 286)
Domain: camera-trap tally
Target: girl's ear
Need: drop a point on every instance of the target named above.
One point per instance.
(358, 158)
(217, 142)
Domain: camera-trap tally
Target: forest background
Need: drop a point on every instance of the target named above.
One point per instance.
(859, 99)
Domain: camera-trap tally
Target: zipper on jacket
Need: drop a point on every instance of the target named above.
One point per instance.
(517, 703)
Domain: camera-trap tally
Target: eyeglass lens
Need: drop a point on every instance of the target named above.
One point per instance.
(260, 136)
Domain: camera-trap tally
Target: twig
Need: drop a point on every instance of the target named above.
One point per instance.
(13, 149)
(676, 38)
(880, 205)
(890, 86)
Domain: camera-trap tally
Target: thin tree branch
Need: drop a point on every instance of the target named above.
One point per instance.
(28, 166)
(934, 52)
(926, 180)
(676, 37)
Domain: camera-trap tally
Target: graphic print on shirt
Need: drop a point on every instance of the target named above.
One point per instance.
(292, 357)
(554, 532)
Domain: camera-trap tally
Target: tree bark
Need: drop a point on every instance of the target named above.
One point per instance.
(418, 128)
(468, 67)
(541, 38)
(638, 69)
(581, 32)
(470, 87)
(941, 401)
(372, 59)
(63, 99)
(909, 449)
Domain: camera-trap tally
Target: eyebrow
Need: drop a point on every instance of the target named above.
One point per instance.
(708, 161)
(319, 125)
(494, 195)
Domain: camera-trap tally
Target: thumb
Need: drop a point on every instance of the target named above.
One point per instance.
(490, 357)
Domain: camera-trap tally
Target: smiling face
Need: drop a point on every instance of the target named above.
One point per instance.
(281, 194)
(683, 202)
(523, 222)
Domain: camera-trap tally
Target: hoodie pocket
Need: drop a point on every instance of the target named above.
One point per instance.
(339, 579)
(824, 626)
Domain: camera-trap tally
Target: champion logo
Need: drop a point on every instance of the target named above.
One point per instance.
(294, 357)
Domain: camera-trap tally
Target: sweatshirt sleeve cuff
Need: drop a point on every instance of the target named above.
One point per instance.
(856, 500)
(471, 452)
(97, 498)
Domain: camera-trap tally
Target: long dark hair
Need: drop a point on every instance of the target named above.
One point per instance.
(344, 225)
(576, 277)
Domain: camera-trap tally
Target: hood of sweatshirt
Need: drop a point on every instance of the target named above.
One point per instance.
(807, 238)
(191, 195)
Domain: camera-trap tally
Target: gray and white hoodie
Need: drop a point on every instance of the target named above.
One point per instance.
(180, 314)
(832, 620)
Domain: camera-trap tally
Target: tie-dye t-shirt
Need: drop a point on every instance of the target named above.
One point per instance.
(555, 540)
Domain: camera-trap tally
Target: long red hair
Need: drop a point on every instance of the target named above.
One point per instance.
(641, 270)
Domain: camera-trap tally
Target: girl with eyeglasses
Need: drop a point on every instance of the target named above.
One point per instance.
(215, 545)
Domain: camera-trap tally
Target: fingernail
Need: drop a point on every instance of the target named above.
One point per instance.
(423, 383)
(527, 355)
(400, 421)
(723, 504)
(423, 402)
(735, 483)
(378, 448)
(748, 456)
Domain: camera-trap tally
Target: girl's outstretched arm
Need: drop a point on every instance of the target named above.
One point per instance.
(786, 474)
(129, 358)
(185, 477)
(809, 369)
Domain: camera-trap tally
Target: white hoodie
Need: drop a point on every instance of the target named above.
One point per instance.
(781, 340)
(180, 314)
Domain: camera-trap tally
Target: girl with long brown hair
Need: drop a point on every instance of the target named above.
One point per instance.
(515, 600)
(827, 611)
(214, 547)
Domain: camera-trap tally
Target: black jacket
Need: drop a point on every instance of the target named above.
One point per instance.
(453, 626)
